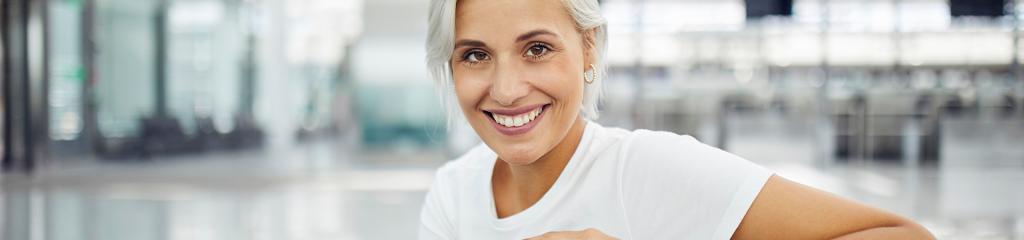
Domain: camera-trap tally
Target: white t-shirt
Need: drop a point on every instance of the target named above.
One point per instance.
(629, 185)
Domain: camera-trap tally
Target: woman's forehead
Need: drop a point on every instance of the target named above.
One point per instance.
(501, 19)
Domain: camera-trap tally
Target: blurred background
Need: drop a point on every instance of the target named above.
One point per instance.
(316, 119)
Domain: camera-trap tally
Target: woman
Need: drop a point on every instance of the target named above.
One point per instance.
(526, 75)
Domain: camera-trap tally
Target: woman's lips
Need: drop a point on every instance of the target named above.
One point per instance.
(516, 121)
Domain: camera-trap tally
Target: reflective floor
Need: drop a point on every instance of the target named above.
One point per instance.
(318, 191)
(328, 190)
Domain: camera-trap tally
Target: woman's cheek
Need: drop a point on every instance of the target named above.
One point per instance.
(478, 87)
(470, 91)
(560, 84)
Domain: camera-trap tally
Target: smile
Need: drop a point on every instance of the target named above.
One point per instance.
(516, 121)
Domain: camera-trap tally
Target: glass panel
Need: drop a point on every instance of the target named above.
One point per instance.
(205, 50)
(67, 73)
(125, 64)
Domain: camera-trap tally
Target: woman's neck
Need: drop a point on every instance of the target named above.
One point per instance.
(516, 188)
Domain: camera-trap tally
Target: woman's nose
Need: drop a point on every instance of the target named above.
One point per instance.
(508, 86)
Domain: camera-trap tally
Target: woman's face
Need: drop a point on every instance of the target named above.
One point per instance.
(518, 69)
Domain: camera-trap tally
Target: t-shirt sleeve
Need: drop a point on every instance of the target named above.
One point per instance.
(674, 187)
(436, 216)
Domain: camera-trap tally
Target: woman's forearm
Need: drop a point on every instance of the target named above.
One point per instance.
(907, 231)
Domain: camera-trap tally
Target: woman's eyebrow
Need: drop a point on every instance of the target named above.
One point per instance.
(522, 37)
(534, 33)
(470, 43)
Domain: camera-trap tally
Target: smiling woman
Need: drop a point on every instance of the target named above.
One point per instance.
(526, 76)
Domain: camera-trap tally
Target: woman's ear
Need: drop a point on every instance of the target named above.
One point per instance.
(589, 47)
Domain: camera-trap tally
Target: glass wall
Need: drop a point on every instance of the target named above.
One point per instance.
(398, 106)
(885, 68)
(125, 74)
(67, 71)
(206, 49)
(189, 75)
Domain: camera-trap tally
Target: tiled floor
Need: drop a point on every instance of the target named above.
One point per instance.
(327, 190)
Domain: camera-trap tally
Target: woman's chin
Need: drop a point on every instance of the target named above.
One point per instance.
(516, 152)
(518, 162)
(516, 158)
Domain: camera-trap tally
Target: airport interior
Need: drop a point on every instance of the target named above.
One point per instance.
(318, 119)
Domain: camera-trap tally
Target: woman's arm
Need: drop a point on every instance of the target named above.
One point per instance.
(788, 210)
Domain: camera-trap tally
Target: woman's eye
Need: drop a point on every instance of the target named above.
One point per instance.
(537, 50)
(475, 56)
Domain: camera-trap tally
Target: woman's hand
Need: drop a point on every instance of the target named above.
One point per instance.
(588, 234)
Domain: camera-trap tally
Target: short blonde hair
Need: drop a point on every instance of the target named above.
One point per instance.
(441, 42)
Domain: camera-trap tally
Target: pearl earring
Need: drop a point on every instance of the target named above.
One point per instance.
(590, 76)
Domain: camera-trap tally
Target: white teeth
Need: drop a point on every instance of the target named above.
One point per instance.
(518, 120)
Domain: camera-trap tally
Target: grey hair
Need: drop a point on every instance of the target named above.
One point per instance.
(441, 41)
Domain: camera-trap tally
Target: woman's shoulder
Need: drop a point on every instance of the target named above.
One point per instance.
(643, 141)
(625, 144)
(668, 177)
(661, 138)
(644, 137)
(658, 148)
